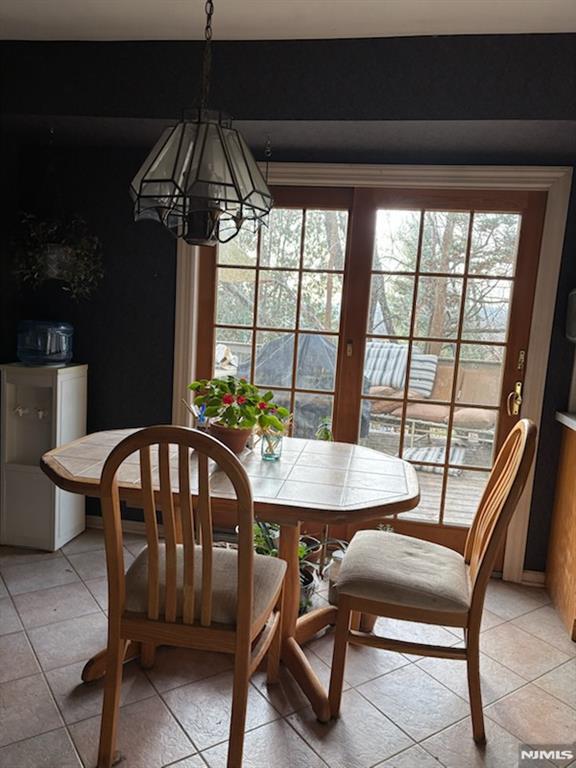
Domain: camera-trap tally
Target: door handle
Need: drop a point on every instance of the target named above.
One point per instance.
(514, 400)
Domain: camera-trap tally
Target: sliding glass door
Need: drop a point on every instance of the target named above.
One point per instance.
(401, 317)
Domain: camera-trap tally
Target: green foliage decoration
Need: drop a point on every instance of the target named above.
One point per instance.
(58, 250)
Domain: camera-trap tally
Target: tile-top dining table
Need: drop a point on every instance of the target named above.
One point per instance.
(313, 482)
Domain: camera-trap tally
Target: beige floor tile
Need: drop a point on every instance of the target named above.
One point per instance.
(535, 717)
(547, 625)
(69, 641)
(26, 709)
(42, 574)
(89, 540)
(174, 667)
(360, 737)
(362, 663)
(55, 604)
(521, 652)
(148, 736)
(561, 682)
(99, 590)
(415, 701)
(16, 657)
(455, 747)
(490, 620)
(134, 543)
(18, 555)
(79, 701)
(46, 751)
(509, 600)
(203, 709)
(3, 590)
(415, 757)
(497, 680)
(92, 565)
(189, 762)
(9, 619)
(285, 695)
(414, 632)
(275, 745)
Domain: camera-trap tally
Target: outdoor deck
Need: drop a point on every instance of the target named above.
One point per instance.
(463, 490)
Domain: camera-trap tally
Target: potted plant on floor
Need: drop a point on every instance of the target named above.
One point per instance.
(233, 408)
(266, 539)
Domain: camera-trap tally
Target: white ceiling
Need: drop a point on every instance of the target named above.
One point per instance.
(278, 19)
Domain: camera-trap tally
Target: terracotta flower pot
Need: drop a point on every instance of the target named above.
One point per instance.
(235, 439)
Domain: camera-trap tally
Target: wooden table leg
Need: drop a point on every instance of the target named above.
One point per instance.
(95, 668)
(293, 633)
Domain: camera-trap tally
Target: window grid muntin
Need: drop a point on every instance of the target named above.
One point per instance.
(459, 343)
(297, 332)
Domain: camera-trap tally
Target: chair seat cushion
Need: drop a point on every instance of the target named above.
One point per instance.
(391, 568)
(268, 575)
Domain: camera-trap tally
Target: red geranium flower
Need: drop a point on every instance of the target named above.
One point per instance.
(262, 405)
(240, 399)
(228, 399)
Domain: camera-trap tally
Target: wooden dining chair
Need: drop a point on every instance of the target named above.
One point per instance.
(400, 577)
(191, 594)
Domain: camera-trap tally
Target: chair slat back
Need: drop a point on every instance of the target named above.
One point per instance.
(189, 519)
(188, 534)
(503, 490)
(151, 523)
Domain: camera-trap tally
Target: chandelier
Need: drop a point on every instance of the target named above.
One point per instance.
(201, 180)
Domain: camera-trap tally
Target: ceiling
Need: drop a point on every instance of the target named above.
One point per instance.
(278, 19)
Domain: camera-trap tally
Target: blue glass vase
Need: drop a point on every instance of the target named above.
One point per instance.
(271, 447)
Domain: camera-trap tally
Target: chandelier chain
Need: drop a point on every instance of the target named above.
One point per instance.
(207, 58)
(209, 10)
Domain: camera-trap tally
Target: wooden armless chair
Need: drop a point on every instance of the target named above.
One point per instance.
(189, 594)
(400, 577)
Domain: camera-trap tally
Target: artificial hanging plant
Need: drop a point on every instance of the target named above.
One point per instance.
(64, 251)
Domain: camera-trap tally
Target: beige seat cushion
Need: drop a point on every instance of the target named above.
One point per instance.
(425, 412)
(268, 575)
(392, 568)
(475, 418)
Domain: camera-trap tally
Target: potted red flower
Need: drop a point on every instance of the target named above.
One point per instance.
(234, 407)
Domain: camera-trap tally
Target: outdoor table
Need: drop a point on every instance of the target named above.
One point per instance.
(313, 482)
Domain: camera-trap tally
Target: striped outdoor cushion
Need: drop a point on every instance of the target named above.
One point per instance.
(385, 366)
(435, 453)
(423, 373)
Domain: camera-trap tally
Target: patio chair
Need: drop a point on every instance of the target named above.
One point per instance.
(399, 577)
(191, 595)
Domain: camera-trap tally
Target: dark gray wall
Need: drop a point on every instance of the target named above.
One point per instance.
(126, 332)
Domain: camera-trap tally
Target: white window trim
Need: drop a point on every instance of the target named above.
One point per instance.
(185, 326)
(555, 180)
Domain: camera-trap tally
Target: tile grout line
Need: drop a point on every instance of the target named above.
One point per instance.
(52, 696)
(281, 717)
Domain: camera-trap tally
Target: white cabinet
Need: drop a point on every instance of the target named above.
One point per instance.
(41, 408)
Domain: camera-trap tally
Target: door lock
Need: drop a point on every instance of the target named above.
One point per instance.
(514, 400)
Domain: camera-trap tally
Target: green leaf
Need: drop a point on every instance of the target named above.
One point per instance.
(276, 423)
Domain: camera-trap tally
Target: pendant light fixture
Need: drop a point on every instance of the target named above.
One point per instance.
(200, 180)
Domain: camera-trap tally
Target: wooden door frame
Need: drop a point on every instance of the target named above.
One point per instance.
(555, 180)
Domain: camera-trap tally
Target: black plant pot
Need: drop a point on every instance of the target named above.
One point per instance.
(307, 589)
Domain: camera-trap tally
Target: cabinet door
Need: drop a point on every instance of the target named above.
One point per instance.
(28, 509)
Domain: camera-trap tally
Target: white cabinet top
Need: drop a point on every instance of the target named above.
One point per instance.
(55, 371)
